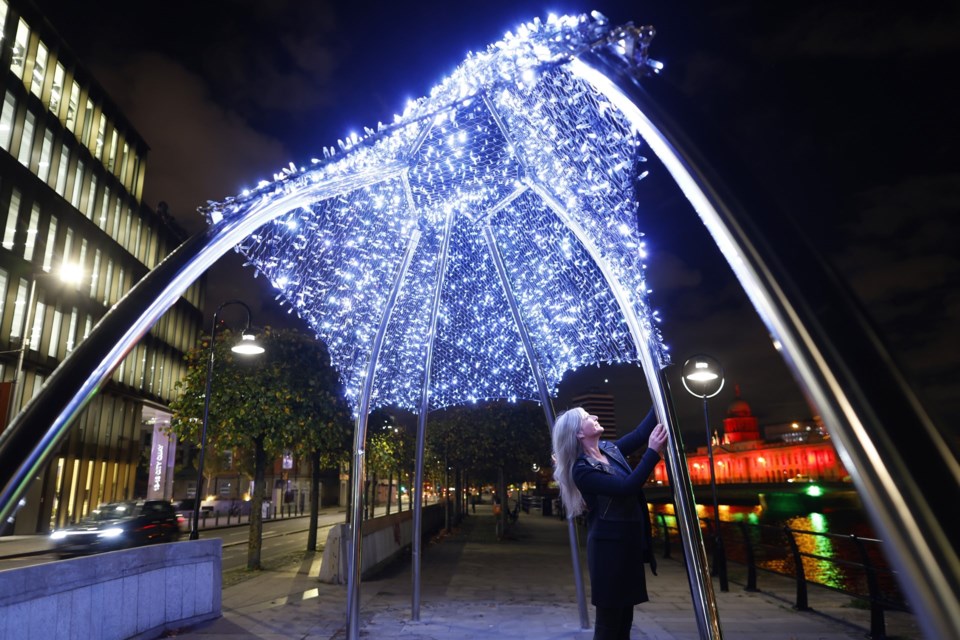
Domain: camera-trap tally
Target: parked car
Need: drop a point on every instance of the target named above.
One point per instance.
(184, 511)
(118, 525)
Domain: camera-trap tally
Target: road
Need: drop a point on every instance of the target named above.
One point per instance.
(280, 538)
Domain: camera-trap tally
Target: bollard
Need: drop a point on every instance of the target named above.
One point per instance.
(751, 560)
(802, 603)
(878, 626)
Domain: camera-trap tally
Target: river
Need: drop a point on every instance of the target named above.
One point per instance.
(831, 541)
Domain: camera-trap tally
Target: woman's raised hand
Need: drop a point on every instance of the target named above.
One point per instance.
(658, 439)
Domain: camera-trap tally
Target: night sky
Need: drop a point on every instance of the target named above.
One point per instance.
(841, 110)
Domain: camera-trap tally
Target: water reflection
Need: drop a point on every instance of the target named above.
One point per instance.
(830, 553)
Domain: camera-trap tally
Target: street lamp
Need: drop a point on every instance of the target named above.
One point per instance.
(247, 346)
(68, 273)
(702, 376)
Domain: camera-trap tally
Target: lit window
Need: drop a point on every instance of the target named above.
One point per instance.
(39, 70)
(6, 120)
(46, 151)
(82, 262)
(108, 283)
(126, 229)
(91, 196)
(31, 241)
(3, 17)
(54, 347)
(123, 164)
(87, 123)
(48, 249)
(19, 55)
(56, 90)
(72, 105)
(26, 140)
(115, 234)
(98, 150)
(95, 273)
(10, 230)
(104, 208)
(65, 263)
(19, 309)
(136, 239)
(111, 159)
(77, 185)
(3, 274)
(121, 284)
(36, 331)
(61, 184)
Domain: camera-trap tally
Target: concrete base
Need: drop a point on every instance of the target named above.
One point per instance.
(383, 539)
(135, 593)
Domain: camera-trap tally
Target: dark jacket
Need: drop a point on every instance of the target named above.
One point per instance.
(618, 523)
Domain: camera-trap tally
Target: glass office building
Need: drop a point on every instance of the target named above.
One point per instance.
(74, 238)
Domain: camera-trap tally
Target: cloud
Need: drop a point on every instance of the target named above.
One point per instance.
(199, 150)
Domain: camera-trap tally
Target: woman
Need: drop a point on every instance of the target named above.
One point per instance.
(595, 478)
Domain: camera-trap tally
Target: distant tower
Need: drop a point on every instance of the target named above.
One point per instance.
(599, 404)
(740, 425)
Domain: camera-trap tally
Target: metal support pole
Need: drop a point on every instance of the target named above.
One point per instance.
(422, 419)
(195, 521)
(878, 424)
(359, 442)
(547, 410)
(719, 553)
(701, 589)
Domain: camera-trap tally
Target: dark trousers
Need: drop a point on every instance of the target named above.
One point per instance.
(613, 623)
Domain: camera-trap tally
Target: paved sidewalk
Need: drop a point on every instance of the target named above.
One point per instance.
(474, 586)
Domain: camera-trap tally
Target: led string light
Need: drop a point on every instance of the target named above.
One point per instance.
(507, 140)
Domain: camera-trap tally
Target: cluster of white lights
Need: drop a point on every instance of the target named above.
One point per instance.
(511, 142)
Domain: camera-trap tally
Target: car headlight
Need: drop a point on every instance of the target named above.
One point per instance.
(113, 532)
(58, 535)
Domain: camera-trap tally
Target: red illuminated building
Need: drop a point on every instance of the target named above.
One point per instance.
(797, 451)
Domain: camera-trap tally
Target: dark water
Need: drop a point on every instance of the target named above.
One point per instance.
(835, 543)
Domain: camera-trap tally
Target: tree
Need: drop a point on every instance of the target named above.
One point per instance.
(390, 449)
(287, 397)
(497, 441)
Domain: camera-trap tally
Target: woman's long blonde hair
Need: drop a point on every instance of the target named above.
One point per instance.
(566, 449)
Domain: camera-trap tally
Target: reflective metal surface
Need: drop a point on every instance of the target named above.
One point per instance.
(900, 462)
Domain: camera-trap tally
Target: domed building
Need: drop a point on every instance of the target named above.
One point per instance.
(740, 425)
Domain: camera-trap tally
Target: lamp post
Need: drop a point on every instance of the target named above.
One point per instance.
(68, 273)
(702, 376)
(247, 346)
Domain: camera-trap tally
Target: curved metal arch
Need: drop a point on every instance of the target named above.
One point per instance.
(832, 348)
(27, 444)
(701, 588)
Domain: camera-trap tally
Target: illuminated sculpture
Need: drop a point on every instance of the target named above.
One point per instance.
(480, 246)
(509, 200)
(511, 142)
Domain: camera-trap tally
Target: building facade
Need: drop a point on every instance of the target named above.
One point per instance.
(72, 170)
(798, 451)
(600, 404)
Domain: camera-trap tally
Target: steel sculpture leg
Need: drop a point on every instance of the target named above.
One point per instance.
(701, 588)
(359, 440)
(547, 408)
(879, 427)
(422, 418)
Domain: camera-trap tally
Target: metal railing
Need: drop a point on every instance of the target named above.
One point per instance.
(849, 564)
(216, 518)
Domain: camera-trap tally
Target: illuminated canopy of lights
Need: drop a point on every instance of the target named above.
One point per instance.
(513, 155)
